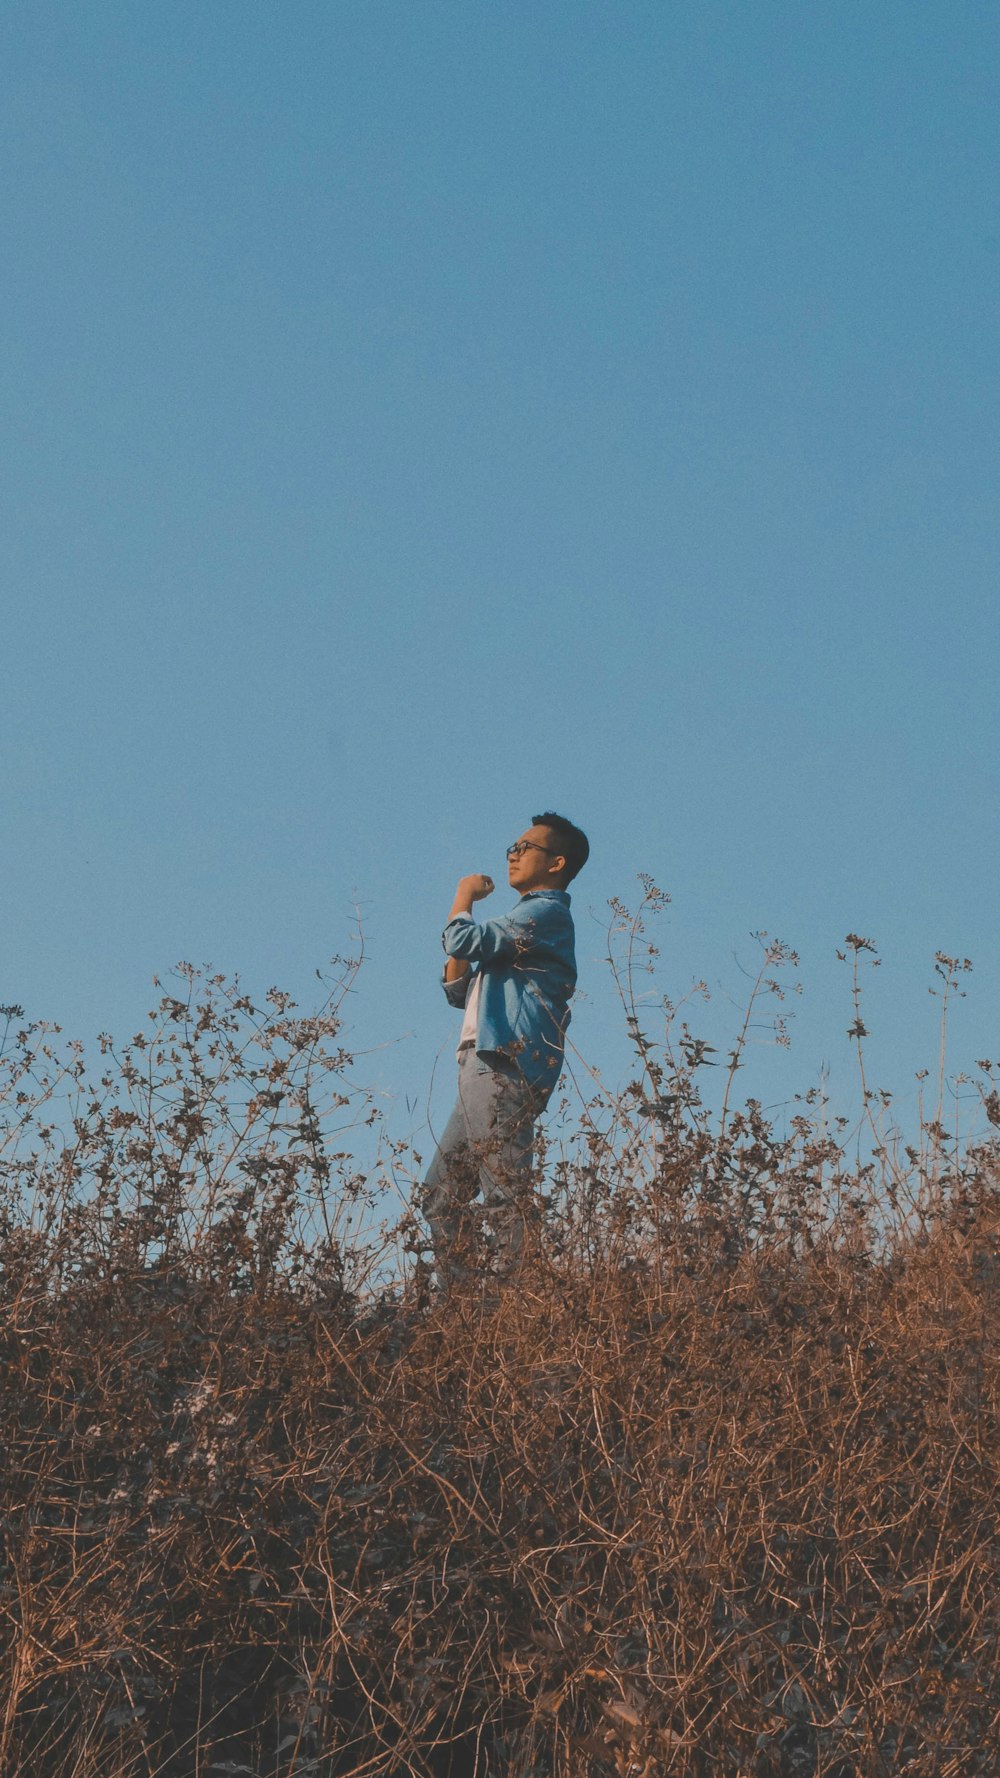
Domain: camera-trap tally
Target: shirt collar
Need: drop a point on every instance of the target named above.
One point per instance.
(556, 894)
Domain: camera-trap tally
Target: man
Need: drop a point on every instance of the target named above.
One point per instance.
(513, 977)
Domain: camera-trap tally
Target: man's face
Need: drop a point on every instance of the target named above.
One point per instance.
(539, 864)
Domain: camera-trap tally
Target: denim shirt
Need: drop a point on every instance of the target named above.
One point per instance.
(527, 962)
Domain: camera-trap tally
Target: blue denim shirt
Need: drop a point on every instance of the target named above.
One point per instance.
(527, 961)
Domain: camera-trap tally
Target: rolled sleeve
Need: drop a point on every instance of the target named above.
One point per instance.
(494, 941)
(456, 993)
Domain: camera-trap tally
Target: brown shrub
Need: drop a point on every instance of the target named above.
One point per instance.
(712, 1489)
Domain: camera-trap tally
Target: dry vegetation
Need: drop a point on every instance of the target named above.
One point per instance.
(712, 1491)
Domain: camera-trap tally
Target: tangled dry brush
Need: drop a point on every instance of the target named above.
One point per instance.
(712, 1491)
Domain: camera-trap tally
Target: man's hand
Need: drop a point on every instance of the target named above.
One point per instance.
(476, 888)
(470, 889)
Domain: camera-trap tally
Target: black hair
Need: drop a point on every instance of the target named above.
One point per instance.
(574, 842)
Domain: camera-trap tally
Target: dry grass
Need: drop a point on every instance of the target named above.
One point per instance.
(712, 1490)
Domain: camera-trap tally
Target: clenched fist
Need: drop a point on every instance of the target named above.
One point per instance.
(476, 887)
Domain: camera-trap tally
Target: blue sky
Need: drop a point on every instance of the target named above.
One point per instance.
(415, 416)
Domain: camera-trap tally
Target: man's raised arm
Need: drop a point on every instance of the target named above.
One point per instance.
(470, 890)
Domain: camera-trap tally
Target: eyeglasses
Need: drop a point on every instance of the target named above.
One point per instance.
(520, 846)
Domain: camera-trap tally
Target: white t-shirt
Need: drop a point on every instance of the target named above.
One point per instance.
(468, 1031)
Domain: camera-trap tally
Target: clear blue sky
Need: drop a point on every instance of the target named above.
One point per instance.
(417, 415)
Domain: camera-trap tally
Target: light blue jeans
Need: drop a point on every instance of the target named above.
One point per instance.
(487, 1147)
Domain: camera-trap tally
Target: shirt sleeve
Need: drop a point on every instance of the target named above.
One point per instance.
(456, 993)
(495, 941)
